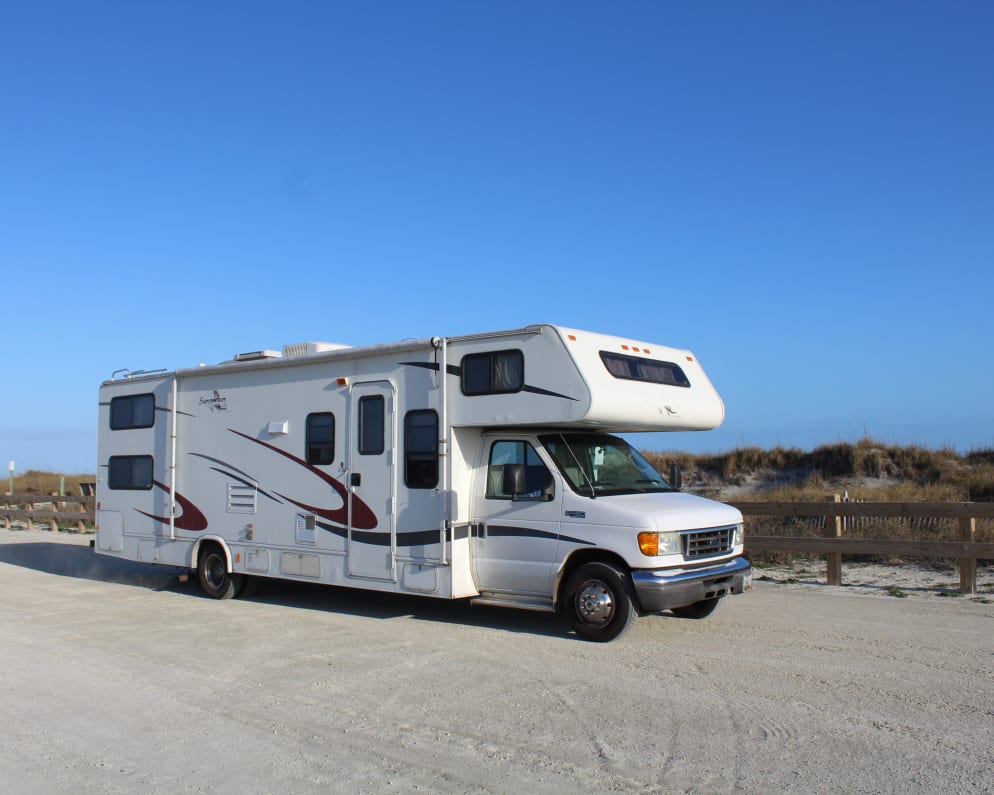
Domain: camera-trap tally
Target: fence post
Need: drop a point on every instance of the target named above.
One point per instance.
(967, 566)
(833, 529)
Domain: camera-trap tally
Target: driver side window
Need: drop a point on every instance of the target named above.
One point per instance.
(537, 476)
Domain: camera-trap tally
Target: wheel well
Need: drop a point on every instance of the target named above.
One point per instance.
(207, 543)
(580, 558)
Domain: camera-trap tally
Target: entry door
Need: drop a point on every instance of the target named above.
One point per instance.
(515, 537)
(372, 541)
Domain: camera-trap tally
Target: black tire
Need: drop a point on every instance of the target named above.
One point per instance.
(599, 602)
(215, 579)
(701, 609)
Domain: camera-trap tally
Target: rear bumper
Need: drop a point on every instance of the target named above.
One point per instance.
(661, 589)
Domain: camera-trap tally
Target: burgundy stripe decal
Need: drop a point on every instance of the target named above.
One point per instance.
(363, 517)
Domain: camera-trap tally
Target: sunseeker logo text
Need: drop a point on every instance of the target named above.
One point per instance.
(216, 403)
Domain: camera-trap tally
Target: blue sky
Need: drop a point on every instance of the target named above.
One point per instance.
(800, 193)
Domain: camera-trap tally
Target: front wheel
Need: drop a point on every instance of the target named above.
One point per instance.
(701, 609)
(215, 579)
(599, 602)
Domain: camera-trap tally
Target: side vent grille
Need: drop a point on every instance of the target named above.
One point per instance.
(241, 498)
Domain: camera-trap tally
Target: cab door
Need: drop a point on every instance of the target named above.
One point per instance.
(515, 535)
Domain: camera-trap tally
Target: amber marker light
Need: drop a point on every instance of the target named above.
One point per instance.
(649, 544)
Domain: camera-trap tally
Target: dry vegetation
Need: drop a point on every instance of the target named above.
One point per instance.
(867, 471)
(35, 482)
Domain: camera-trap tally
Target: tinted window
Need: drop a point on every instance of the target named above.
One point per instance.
(595, 464)
(493, 373)
(537, 476)
(130, 472)
(421, 449)
(635, 368)
(476, 375)
(320, 438)
(132, 411)
(371, 410)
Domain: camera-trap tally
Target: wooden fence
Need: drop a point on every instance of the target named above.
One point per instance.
(832, 543)
(832, 517)
(80, 518)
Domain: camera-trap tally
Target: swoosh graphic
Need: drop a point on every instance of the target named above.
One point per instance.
(454, 369)
(250, 483)
(191, 519)
(527, 532)
(420, 538)
(363, 517)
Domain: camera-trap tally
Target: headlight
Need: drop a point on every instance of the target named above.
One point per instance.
(739, 535)
(655, 544)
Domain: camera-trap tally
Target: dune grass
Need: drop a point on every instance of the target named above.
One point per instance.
(867, 471)
(36, 482)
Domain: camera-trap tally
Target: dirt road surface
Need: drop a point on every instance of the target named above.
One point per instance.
(115, 677)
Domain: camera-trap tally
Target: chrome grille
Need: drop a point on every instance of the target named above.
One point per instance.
(708, 543)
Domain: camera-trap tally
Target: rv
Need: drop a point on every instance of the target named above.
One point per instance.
(483, 467)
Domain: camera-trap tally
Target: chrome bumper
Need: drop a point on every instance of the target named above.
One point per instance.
(661, 589)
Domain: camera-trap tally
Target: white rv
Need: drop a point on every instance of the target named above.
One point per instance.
(475, 467)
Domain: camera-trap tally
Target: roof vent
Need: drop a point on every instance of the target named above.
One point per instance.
(254, 356)
(308, 348)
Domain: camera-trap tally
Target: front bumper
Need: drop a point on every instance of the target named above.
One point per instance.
(661, 589)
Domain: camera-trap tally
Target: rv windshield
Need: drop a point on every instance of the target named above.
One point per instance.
(596, 464)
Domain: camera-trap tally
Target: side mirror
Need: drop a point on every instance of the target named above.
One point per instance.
(513, 479)
(676, 476)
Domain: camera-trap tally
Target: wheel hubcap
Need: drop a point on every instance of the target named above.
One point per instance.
(215, 571)
(594, 603)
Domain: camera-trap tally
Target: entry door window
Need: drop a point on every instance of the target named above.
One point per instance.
(371, 411)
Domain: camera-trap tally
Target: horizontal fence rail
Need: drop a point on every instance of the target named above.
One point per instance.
(835, 516)
(829, 519)
(81, 518)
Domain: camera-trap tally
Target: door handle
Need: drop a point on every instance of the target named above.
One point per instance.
(481, 530)
(355, 479)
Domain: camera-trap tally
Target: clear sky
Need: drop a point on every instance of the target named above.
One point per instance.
(801, 193)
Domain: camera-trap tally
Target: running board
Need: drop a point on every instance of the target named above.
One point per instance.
(536, 603)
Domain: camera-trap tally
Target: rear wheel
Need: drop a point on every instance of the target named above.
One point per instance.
(599, 602)
(701, 609)
(215, 579)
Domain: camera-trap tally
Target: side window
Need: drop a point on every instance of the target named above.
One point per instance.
(132, 411)
(319, 439)
(421, 449)
(537, 476)
(130, 472)
(371, 412)
(635, 368)
(493, 373)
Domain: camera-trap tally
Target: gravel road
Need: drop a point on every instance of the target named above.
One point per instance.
(115, 677)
